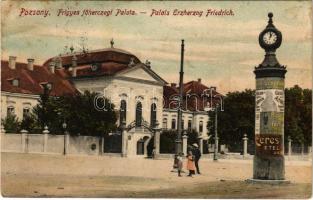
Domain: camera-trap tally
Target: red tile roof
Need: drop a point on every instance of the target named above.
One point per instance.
(193, 97)
(109, 68)
(97, 56)
(30, 81)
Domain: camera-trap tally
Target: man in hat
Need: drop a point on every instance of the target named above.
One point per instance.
(197, 154)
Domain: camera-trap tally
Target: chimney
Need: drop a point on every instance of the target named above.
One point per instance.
(52, 67)
(199, 80)
(74, 72)
(148, 64)
(74, 61)
(173, 85)
(12, 61)
(213, 88)
(59, 63)
(30, 64)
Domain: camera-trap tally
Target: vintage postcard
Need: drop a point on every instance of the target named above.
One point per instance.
(156, 99)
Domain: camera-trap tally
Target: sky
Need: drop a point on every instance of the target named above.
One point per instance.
(221, 50)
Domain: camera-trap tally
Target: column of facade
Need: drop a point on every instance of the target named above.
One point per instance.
(124, 139)
(157, 143)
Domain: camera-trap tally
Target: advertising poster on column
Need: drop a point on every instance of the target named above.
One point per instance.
(155, 99)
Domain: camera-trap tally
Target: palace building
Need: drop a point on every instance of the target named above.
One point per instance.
(141, 96)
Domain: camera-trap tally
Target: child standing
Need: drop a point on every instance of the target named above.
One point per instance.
(179, 163)
(190, 163)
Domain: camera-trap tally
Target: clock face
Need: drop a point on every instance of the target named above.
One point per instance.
(269, 37)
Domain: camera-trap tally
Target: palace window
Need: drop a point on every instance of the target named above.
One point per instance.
(182, 124)
(26, 112)
(15, 82)
(164, 123)
(173, 124)
(138, 114)
(153, 115)
(189, 125)
(123, 108)
(201, 126)
(10, 111)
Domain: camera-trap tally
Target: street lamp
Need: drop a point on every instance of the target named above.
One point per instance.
(64, 125)
(214, 107)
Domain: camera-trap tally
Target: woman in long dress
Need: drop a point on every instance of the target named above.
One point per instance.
(190, 163)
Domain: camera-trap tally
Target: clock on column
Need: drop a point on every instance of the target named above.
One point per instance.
(270, 38)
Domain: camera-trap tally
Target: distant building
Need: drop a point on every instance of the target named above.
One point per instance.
(140, 95)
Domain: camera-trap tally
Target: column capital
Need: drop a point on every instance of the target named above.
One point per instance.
(23, 131)
(46, 131)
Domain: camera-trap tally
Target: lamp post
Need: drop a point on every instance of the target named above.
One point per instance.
(64, 125)
(214, 107)
(178, 141)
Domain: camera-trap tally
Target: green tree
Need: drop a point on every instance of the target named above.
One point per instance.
(298, 115)
(79, 113)
(236, 120)
(239, 115)
(168, 137)
(11, 124)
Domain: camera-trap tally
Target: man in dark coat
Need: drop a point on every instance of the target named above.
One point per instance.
(197, 154)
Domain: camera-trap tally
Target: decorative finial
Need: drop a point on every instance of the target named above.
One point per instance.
(148, 63)
(112, 43)
(72, 49)
(270, 16)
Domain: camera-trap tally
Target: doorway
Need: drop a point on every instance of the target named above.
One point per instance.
(140, 147)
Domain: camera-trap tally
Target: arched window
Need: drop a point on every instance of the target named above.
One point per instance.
(153, 115)
(201, 126)
(173, 124)
(138, 114)
(164, 123)
(123, 108)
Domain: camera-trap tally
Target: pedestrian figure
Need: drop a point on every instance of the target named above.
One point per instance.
(179, 163)
(197, 155)
(190, 163)
(153, 153)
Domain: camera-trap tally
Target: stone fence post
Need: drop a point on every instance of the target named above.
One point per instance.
(24, 141)
(2, 129)
(289, 147)
(45, 138)
(67, 142)
(245, 145)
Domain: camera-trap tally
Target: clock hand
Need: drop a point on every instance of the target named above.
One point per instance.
(270, 35)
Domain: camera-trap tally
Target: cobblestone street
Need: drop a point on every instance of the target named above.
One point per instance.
(38, 175)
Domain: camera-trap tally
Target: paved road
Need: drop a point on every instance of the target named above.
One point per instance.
(35, 175)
